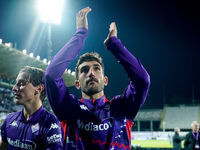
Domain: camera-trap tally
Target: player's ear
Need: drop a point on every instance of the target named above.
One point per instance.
(39, 88)
(77, 84)
(105, 80)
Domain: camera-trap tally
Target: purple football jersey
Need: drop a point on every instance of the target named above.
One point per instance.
(98, 123)
(41, 132)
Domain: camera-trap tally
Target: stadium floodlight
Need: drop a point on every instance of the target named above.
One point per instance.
(50, 12)
(24, 51)
(69, 71)
(45, 60)
(0, 41)
(38, 57)
(31, 54)
(8, 44)
(73, 73)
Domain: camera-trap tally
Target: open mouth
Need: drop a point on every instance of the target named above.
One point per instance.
(17, 96)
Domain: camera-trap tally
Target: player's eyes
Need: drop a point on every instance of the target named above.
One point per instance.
(21, 83)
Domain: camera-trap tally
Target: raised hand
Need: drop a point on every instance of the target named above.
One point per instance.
(113, 32)
(81, 18)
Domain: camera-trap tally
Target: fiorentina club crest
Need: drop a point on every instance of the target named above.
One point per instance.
(35, 128)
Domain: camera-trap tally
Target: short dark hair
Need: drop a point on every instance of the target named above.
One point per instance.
(36, 77)
(93, 56)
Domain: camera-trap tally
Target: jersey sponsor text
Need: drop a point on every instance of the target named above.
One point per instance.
(26, 144)
(93, 127)
(54, 138)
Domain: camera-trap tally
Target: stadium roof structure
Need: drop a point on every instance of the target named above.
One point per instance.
(12, 60)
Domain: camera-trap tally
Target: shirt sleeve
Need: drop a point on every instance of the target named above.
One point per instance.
(53, 139)
(3, 132)
(135, 94)
(58, 95)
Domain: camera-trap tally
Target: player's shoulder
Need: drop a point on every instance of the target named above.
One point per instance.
(116, 99)
(48, 116)
(48, 121)
(13, 115)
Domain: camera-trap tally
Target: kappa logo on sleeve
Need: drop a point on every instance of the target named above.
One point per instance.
(54, 126)
(35, 128)
(14, 123)
(84, 107)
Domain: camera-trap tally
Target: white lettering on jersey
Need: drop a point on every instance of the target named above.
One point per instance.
(54, 126)
(24, 144)
(93, 127)
(54, 138)
(84, 107)
(14, 123)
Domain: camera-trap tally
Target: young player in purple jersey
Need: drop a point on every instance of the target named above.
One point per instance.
(33, 128)
(93, 122)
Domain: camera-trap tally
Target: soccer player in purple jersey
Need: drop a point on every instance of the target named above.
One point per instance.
(93, 122)
(33, 128)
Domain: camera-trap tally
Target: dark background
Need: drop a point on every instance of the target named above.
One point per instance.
(163, 34)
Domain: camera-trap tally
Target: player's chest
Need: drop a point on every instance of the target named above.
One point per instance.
(19, 131)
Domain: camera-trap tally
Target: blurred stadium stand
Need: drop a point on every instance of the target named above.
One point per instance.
(166, 119)
(11, 61)
(181, 117)
(147, 120)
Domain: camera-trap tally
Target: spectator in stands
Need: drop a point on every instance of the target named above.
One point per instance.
(192, 140)
(177, 139)
(33, 127)
(97, 122)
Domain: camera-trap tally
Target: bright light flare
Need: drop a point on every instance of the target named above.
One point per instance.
(31, 54)
(50, 10)
(69, 71)
(24, 51)
(45, 60)
(38, 57)
(8, 44)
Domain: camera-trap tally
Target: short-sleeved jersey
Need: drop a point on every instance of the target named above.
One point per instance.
(41, 132)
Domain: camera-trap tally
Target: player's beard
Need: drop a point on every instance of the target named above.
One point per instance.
(93, 89)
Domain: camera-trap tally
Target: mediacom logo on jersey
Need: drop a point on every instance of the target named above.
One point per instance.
(94, 127)
(24, 144)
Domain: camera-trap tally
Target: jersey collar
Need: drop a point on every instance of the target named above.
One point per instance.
(33, 117)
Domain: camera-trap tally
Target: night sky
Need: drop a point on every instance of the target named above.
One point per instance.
(163, 34)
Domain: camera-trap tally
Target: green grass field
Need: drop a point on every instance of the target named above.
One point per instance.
(153, 143)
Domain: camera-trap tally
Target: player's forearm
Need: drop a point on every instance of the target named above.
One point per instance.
(132, 66)
(57, 92)
(136, 92)
(68, 53)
